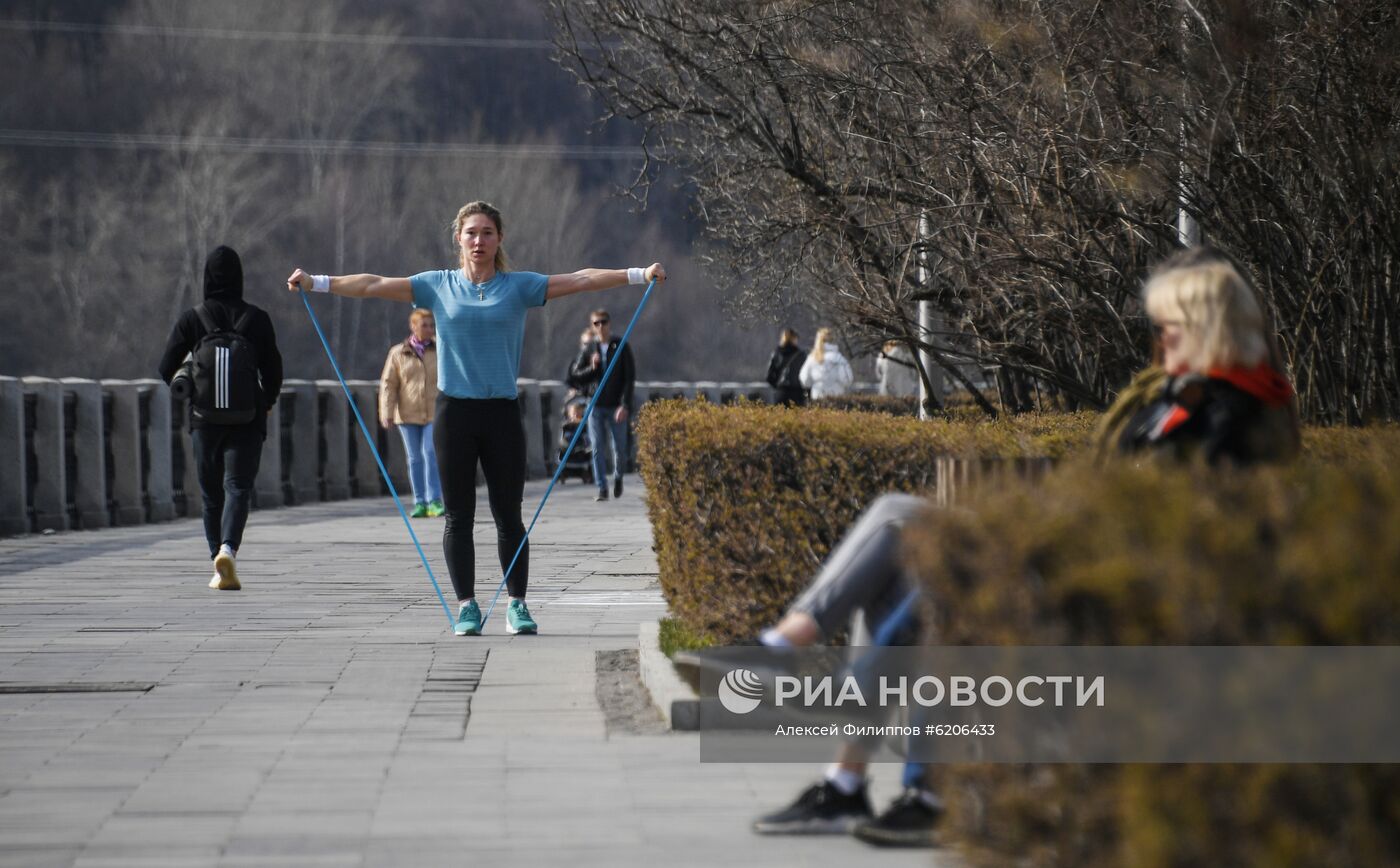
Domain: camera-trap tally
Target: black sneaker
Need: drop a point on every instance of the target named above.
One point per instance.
(601, 496)
(617, 487)
(820, 810)
(909, 821)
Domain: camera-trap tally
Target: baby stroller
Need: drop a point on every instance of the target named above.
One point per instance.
(580, 461)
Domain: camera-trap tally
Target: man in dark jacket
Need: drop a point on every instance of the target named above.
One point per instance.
(784, 368)
(227, 456)
(614, 406)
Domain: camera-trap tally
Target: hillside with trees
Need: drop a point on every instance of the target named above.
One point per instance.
(339, 135)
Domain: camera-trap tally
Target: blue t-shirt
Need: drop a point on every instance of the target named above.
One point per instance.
(480, 328)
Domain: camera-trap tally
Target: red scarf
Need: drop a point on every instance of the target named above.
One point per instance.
(1265, 384)
(1262, 381)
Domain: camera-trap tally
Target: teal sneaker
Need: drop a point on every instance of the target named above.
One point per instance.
(420, 510)
(518, 619)
(468, 620)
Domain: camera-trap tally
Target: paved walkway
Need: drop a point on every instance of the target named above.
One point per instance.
(325, 716)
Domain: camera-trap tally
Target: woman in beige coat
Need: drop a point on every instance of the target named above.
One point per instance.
(407, 398)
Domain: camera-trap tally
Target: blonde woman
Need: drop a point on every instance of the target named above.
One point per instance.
(480, 310)
(1216, 390)
(407, 396)
(1220, 391)
(826, 372)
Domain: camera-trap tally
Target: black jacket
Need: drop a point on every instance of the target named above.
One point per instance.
(223, 297)
(618, 390)
(1238, 416)
(783, 368)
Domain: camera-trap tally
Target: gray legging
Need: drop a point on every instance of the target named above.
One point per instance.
(865, 571)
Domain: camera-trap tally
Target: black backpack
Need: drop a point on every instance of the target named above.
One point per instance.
(225, 372)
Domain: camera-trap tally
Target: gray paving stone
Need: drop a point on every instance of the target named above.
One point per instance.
(38, 857)
(325, 715)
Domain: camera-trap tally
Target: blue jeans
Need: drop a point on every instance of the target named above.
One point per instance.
(422, 462)
(601, 427)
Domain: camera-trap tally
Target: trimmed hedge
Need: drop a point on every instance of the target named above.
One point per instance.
(1378, 443)
(673, 638)
(1177, 556)
(888, 404)
(745, 501)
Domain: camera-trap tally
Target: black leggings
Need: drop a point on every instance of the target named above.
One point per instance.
(488, 429)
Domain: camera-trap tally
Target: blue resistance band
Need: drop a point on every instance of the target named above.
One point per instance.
(567, 452)
(380, 461)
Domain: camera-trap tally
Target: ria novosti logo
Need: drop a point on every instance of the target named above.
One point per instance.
(740, 692)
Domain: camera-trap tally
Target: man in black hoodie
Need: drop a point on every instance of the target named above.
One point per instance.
(227, 455)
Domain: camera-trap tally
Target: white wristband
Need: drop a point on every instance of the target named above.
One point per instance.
(636, 275)
(320, 283)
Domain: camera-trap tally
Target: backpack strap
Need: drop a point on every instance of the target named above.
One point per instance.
(240, 327)
(206, 317)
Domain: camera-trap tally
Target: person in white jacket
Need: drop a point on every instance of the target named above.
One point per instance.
(826, 372)
(896, 372)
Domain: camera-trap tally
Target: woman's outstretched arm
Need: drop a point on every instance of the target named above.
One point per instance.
(594, 279)
(356, 286)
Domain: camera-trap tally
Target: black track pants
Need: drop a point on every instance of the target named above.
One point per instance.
(227, 458)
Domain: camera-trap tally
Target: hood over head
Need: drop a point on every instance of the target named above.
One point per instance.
(223, 275)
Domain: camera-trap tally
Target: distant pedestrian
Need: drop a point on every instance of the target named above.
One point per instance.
(895, 369)
(826, 372)
(613, 407)
(785, 370)
(407, 399)
(237, 375)
(479, 309)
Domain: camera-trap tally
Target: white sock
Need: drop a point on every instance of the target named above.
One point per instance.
(773, 639)
(465, 604)
(845, 780)
(227, 549)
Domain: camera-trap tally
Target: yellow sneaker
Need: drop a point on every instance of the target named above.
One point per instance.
(225, 573)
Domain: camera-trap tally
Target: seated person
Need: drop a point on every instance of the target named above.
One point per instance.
(1217, 391)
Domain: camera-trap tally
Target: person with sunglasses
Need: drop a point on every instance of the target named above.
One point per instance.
(609, 421)
(479, 309)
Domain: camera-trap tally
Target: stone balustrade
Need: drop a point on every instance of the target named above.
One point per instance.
(82, 454)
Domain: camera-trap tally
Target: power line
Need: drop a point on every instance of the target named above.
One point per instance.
(157, 141)
(277, 36)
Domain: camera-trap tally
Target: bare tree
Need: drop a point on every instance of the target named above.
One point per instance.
(1043, 145)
